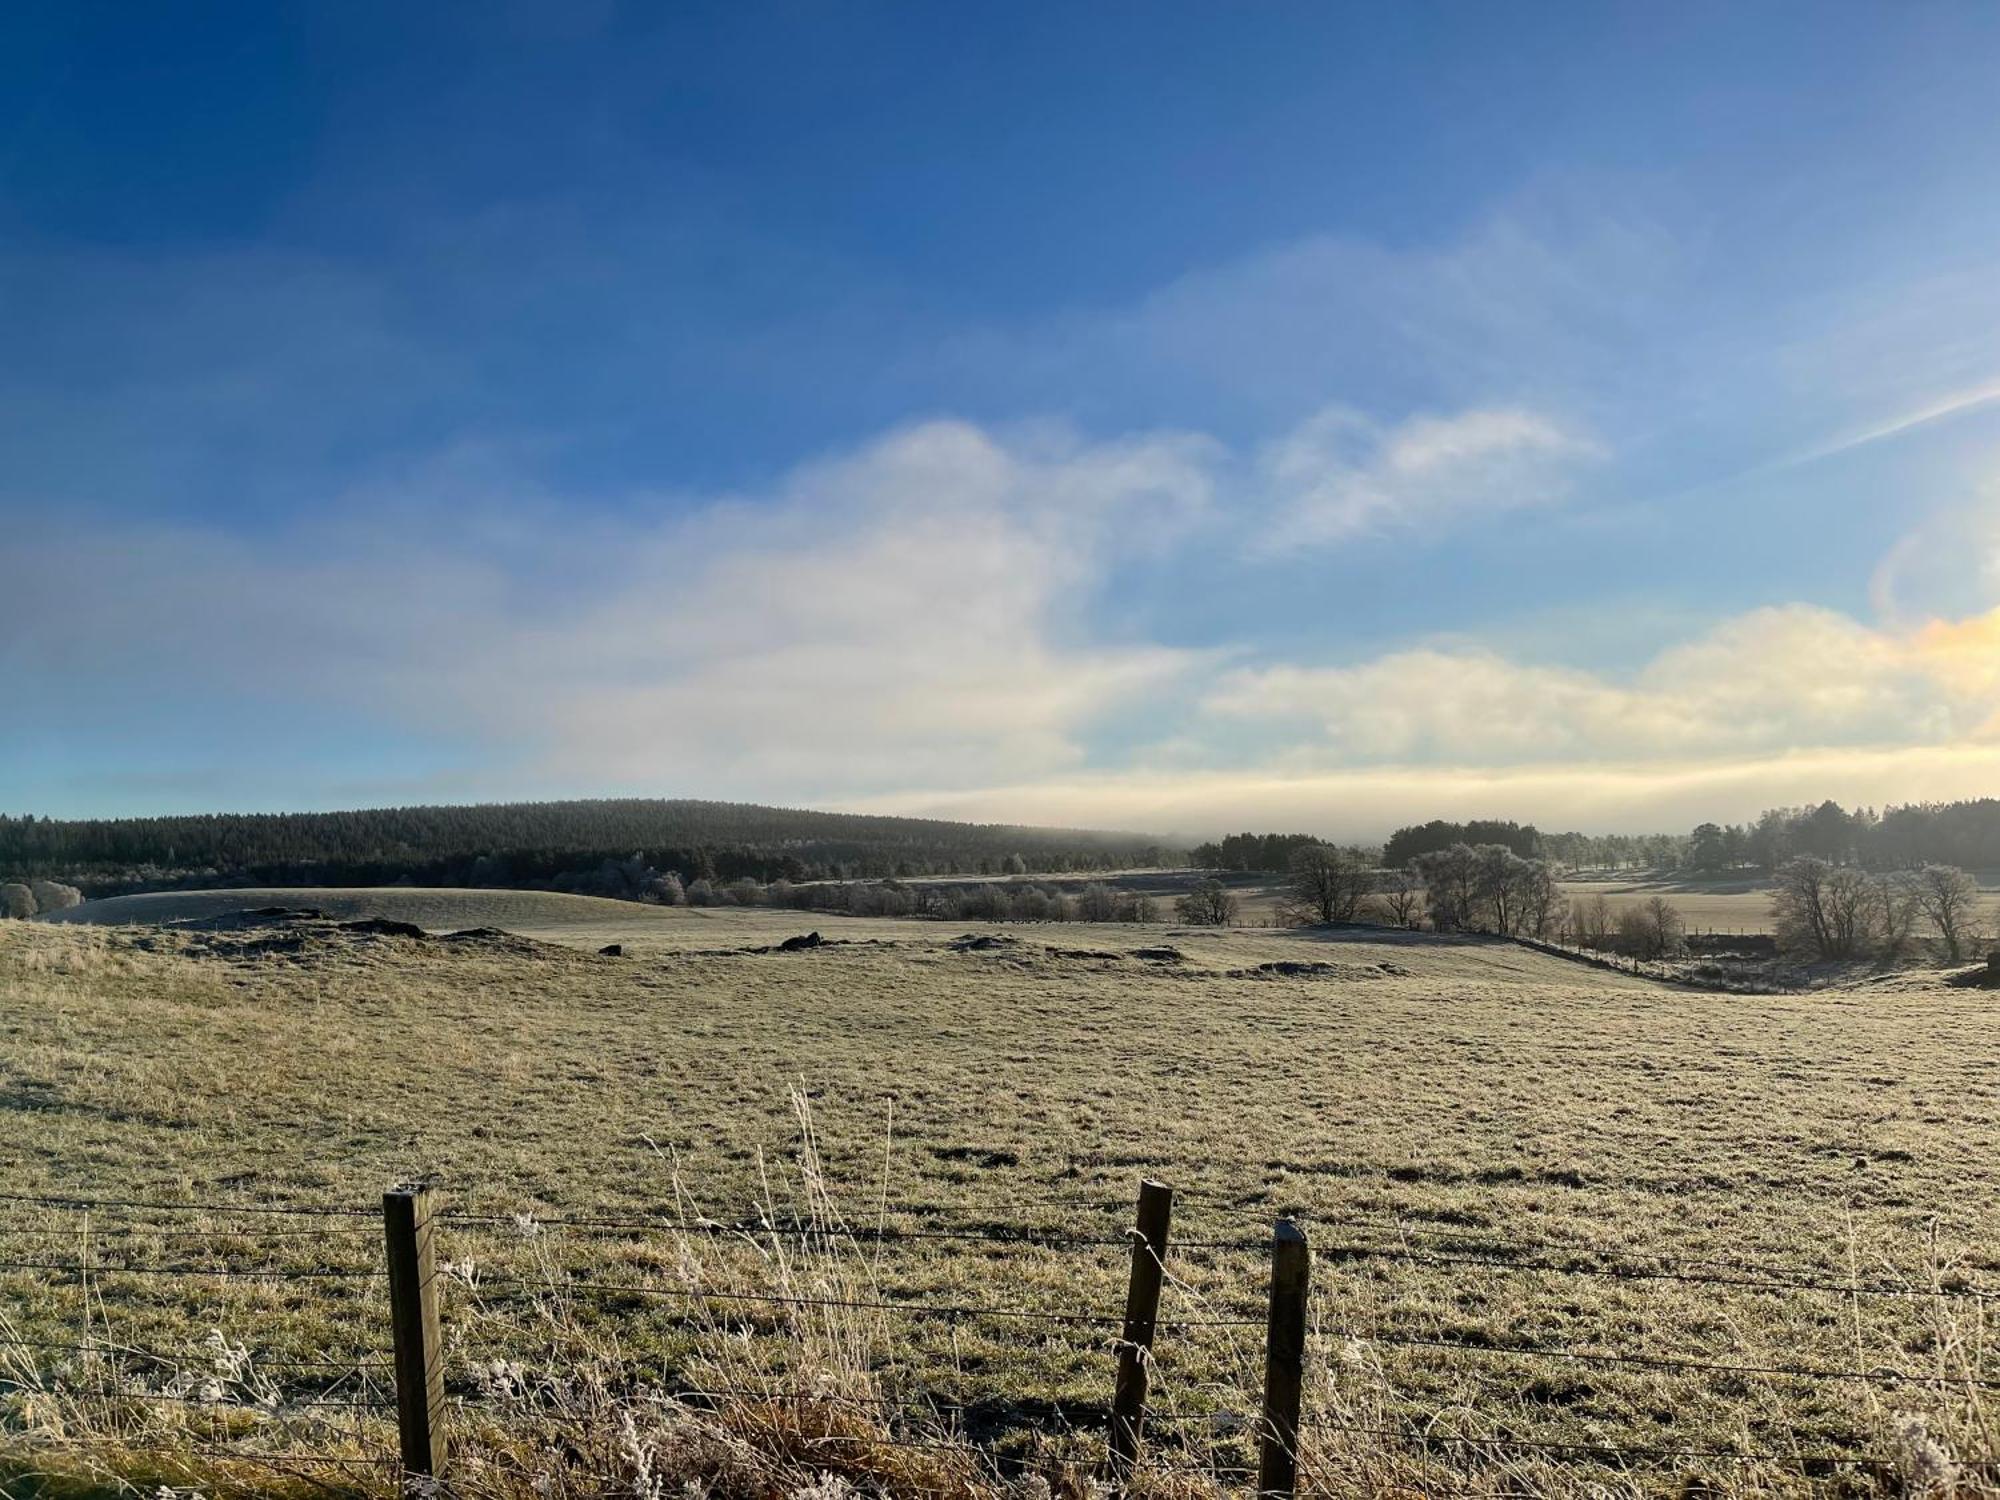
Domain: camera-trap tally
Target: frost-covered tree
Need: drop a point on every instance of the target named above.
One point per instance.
(52, 895)
(1652, 929)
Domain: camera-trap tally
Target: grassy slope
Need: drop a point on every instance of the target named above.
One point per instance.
(1457, 1085)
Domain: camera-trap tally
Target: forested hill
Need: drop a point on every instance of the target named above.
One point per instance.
(530, 843)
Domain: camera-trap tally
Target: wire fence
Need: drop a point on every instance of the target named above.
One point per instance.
(374, 1385)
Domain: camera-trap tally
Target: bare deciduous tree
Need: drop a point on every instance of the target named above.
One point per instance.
(1948, 898)
(1652, 929)
(1541, 899)
(1327, 884)
(1097, 903)
(1209, 904)
(16, 900)
(1401, 899)
(1834, 911)
(1592, 921)
(1449, 879)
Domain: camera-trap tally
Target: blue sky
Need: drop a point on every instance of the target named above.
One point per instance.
(1162, 415)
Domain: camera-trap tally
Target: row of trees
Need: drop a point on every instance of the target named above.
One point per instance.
(1840, 911)
(1438, 836)
(1458, 888)
(1964, 835)
(1269, 852)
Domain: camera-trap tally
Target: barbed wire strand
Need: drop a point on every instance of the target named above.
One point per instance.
(257, 1361)
(1775, 1277)
(150, 1231)
(269, 1460)
(261, 1273)
(277, 1409)
(1606, 1450)
(1670, 1362)
(49, 1200)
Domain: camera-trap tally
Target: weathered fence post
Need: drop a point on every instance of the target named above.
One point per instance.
(1284, 1363)
(413, 1311)
(1142, 1311)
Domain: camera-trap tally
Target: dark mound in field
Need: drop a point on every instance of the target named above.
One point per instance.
(254, 916)
(794, 944)
(383, 927)
(980, 942)
(1293, 968)
(1160, 955)
(1984, 978)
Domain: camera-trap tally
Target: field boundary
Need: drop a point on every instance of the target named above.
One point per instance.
(413, 1222)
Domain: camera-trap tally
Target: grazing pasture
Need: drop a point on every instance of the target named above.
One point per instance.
(1539, 1195)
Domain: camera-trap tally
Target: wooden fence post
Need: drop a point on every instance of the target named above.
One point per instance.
(1142, 1311)
(413, 1311)
(1284, 1363)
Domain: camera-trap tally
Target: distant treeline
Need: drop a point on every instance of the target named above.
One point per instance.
(541, 845)
(1275, 852)
(1962, 834)
(1252, 851)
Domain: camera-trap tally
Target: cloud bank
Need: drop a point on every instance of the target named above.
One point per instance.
(926, 623)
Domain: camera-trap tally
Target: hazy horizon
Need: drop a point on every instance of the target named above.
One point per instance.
(1179, 420)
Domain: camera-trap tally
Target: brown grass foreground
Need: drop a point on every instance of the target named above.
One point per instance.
(1486, 1132)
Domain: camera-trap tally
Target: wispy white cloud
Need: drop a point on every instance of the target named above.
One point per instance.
(1938, 409)
(1340, 475)
(908, 613)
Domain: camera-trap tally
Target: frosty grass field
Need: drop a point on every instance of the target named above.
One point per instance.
(1493, 1151)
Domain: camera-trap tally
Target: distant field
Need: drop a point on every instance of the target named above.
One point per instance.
(1738, 906)
(1741, 907)
(592, 921)
(1466, 1128)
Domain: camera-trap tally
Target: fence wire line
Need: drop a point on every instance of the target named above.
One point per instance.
(275, 1409)
(330, 1211)
(1768, 1278)
(1604, 1450)
(1337, 1252)
(931, 1309)
(1050, 1239)
(1669, 1362)
(1773, 1280)
(1629, 1273)
(256, 1361)
(1775, 1277)
(1334, 1252)
(150, 1231)
(259, 1273)
(1530, 1351)
(269, 1460)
